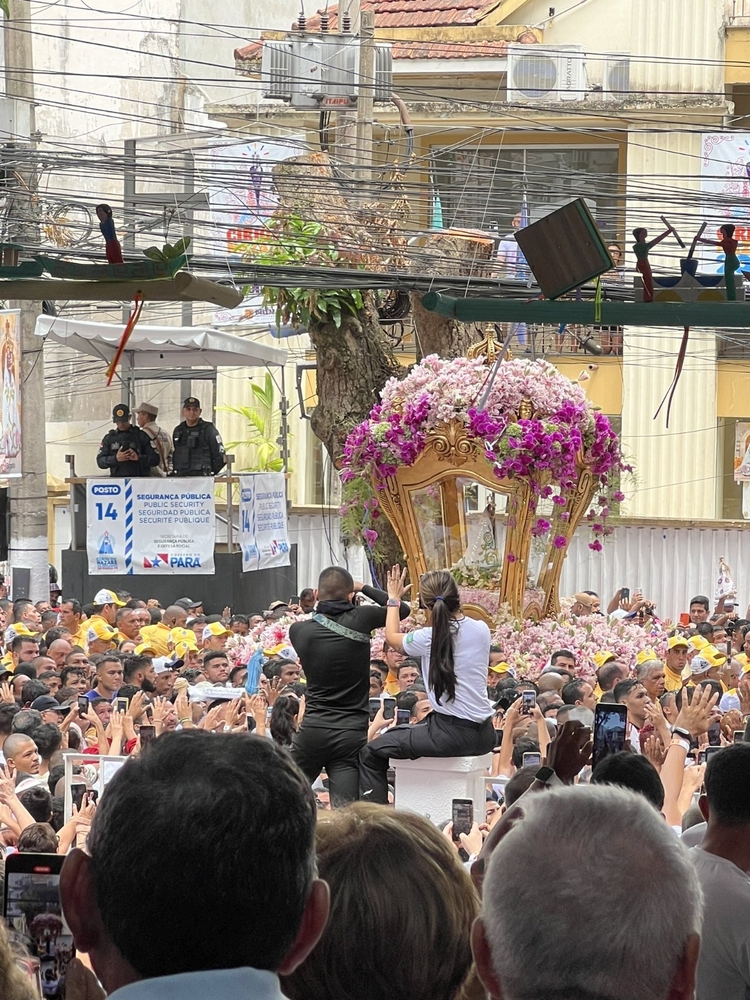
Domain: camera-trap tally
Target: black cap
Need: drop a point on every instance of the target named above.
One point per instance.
(187, 603)
(45, 703)
(121, 412)
(191, 401)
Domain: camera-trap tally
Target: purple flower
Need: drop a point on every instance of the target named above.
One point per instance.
(510, 557)
(596, 545)
(559, 541)
(370, 536)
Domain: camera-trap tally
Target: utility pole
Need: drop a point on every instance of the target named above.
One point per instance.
(28, 546)
(365, 103)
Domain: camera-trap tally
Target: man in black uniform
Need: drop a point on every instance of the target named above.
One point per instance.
(127, 450)
(198, 450)
(334, 650)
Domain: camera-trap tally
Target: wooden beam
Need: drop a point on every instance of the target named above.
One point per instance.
(734, 315)
(184, 287)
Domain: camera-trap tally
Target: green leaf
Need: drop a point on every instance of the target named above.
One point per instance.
(153, 253)
(4, 7)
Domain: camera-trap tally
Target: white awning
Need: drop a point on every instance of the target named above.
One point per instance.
(154, 347)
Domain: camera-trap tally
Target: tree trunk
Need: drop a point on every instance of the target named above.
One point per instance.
(442, 335)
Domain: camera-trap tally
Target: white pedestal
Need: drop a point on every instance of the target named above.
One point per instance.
(428, 785)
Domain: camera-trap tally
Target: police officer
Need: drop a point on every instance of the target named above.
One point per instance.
(127, 450)
(198, 449)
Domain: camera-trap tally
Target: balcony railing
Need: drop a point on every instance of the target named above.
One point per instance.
(543, 341)
(740, 11)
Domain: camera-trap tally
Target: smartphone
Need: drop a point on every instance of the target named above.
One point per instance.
(31, 902)
(701, 757)
(389, 708)
(462, 815)
(624, 593)
(739, 736)
(250, 724)
(528, 700)
(294, 599)
(532, 760)
(714, 735)
(83, 705)
(402, 716)
(610, 729)
(684, 619)
(121, 704)
(148, 733)
(712, 750)
(77, 793)
(374, 708)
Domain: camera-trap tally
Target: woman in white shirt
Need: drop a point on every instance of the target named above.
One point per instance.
(454, 651)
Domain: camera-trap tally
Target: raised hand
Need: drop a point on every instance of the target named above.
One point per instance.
(396, 583)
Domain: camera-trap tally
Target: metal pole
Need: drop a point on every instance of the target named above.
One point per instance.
(28, 545)
(365, 104)
(230, 505)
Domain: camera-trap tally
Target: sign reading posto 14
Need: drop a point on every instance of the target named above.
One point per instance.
(150, 526)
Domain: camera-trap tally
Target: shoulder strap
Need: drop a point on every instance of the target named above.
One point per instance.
(159, 447)
(347, 633)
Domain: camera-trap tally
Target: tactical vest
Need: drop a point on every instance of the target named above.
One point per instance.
(192, 455)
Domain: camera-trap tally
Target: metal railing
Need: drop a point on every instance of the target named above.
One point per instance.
(582, 341)
(740, 11)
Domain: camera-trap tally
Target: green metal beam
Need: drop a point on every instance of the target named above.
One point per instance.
(735, 315)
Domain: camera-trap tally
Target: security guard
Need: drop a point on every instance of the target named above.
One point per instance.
(198, 449)
(127, 450)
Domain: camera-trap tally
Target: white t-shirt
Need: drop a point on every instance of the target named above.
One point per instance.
(471, 654)
(724, 961)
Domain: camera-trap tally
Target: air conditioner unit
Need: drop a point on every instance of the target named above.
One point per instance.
(383, 72)
(277, 69)
(543, 74)
(616, 77)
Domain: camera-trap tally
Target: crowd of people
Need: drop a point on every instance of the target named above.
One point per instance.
(337, 683)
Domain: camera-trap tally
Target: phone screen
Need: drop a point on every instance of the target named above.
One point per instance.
(402, 717)
(374, 708)
(462, 816)
(739, 736)
(121, 704)
(148, 733)
(389, 708)
(32, 910)
(250, 724)
(532, 760)
(624, 593)
(83, 705)
(610, 728)
(294, 599)
(684, 619)
(528, 700)
(77, 792)
(711, 750)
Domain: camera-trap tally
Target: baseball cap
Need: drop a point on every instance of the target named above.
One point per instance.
(149, 408)
(182, 648)
(181, 635)
(107, 597)
(187, 603)
(215, 628)
(46, 703)
(646, 654)
(698, 642)
(99, 629)
(714, 656)
(278, 604)
(503, 668)
(191, 401)
(585, 599)
(162, 664)
(699, 665)
(146, 648)
(677, 640)
(121, 412)
(18, 628)
(603, 656)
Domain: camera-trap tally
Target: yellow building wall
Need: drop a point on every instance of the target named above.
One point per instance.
(733, 389)
(601, 379)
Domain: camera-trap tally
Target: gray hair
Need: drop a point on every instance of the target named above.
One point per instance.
(647, 668)
(620, 932)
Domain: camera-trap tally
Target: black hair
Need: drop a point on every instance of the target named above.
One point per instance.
(25, 670)
(32, 690)
(567, 652)
(239, 620)
(307, 592)
(72, 668)
(262, 808)
(633, 771)
(335, 584)
(154, 615)
(236, 671)
(38, 802)
(126, 691)
(716, 687)
(191, 674)
(27, 721)
(626, 687)
(57, 632)
(48, 739)
(54, 775)
(58, 812)
(47, 618)
(524, 745)
(381, 666)
(7, 713)
(700, 599)
(216, 654)
(438, 592)
(133, 664)
(705, 629)
(664, 699)
(572, 692)
(518, 784)
(727, 785)
(406, 699)
(19, 640)
(19, 606)
(283, 714)
(75, 606)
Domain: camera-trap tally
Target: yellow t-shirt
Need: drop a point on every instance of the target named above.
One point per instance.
(672, 681)
(156, 636)
(7, 661)
(78, 638)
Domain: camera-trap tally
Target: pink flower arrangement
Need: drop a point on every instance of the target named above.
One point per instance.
(529, 645)
(543, 448)
(265, 635)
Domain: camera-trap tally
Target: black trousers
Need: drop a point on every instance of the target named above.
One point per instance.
(336, 751)
(438, 736)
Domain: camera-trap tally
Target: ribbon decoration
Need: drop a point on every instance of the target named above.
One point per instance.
(129, 327)
(669, 395)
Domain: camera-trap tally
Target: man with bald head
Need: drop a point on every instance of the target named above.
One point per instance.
(157, 636)
(550, 681)
(21, 752)
(58, 650)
